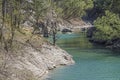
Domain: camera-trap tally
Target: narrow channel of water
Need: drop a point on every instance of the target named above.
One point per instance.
(93, 62)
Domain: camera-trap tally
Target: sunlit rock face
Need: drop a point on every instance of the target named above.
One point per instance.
(32, 63)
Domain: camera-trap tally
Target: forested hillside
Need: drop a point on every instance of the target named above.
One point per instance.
(15, 13)
(24, 24)
(24, 52)
(107, 22)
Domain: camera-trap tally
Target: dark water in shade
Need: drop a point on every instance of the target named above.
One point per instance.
(93, 62)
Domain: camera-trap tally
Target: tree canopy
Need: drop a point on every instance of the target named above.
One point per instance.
(108, 24)
(75, 8)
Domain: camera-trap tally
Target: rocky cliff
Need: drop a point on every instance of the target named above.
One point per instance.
(31, 58)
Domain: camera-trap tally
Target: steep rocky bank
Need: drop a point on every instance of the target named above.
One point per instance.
(33, 64)
(31, 59)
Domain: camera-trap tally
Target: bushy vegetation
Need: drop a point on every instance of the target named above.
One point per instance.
(107, 26)
(74, 8)
(108, 22)
(15, 12)
(111, 5)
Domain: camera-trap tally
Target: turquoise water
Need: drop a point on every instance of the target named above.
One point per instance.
(93, 62)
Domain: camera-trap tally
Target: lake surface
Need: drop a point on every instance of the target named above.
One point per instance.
(93, 62)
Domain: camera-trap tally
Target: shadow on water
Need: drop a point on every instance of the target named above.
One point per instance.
(81, 42)
(93, 62)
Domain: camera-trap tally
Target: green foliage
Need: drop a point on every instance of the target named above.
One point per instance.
(75, 8)
(40, 7)
(111, 5)
(108, 21)
(116, 6)
(58, 9)
(103, 4)
(10, 20)
(108, 26)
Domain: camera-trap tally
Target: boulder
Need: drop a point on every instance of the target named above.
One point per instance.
(66, 30)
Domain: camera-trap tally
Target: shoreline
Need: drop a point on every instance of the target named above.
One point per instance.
(30, 63)
(69, 61)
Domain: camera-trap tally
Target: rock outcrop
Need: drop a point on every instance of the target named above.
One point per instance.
(31, 57)
(73, 25)
(33, 64)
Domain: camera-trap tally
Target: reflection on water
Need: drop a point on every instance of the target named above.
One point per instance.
(93, 62)
(76, 42)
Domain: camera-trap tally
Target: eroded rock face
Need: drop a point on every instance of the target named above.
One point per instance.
(34, 64)
(57, 55)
